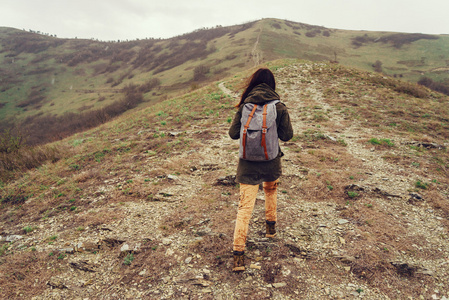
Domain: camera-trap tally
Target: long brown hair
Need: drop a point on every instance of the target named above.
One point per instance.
(263, 75)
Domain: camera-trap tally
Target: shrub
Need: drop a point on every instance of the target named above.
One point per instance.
(276, 25)
(28, 229)
(352, 194)
(199, 72)
(377, 66)
(411, 89)
(421, 185)
(47, 128)
(438, 87)
(400, 39)
(10, 142)
(27, 158)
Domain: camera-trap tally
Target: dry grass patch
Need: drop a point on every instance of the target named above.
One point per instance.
(93, 219)
(24, 275)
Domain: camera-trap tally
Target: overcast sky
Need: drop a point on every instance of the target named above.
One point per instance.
(131, 19)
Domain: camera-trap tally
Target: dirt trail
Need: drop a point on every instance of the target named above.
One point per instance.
(255, 53)
(354, 134)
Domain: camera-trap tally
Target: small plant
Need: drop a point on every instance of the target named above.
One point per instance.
(33, 248)
(74, 167)
(53, 237)
(229, 120)
(359, 290)
(369, 205)
(352, 194)
(3, 249)
(128, 259)
(81, 228)
(61, 256)
(421, 185)
(28, 229)
(351, 177)
(383, 142)
(72, 208)
(330, 187)
(51, 254)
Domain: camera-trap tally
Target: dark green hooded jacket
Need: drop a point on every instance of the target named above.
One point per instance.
(251, 172)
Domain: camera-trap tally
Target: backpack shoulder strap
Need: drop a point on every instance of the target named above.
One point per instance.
(245, 129)
(264, 131)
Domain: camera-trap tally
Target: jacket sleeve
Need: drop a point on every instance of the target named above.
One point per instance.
(285, 129)
(234, 130)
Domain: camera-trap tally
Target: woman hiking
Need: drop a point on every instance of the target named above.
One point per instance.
(259, 91)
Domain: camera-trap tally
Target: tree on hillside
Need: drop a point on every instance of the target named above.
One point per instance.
(377, 66)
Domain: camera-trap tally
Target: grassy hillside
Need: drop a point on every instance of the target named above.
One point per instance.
(46, 80)
(406, 56)
(44, 76)
(144, 206)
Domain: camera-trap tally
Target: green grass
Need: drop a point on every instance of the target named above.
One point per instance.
(385, 142)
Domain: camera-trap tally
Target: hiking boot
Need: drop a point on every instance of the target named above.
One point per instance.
(239, 261)
(271, 230)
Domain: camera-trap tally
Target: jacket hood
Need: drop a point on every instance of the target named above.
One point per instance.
(261, 93)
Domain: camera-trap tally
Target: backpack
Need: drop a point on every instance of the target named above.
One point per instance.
(258, 132)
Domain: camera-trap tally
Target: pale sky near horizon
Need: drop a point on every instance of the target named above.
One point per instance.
(131, 19)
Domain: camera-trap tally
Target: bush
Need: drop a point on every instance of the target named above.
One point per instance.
(9, 142)
(411, 89)
(377, 66)
(436, 86)
(27, 158)
(48, 128)
(199, 73)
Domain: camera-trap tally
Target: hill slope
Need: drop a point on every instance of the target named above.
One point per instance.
(144, 206)
(46, 80)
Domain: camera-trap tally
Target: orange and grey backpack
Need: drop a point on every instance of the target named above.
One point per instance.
(258, 132)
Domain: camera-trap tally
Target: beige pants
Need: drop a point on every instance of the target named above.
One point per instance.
(247, 200)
